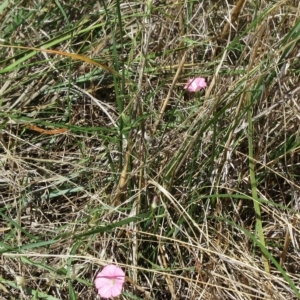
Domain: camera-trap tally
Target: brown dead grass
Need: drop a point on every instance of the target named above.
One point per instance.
(58, 185)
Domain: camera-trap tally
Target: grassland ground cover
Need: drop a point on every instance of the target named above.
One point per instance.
(105, 158)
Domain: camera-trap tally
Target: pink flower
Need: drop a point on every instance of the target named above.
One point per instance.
(195, 84)
(109, 281)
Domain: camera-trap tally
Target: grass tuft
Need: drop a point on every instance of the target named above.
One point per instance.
(105, 158)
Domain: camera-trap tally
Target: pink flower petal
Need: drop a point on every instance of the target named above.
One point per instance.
(195, 84)
(109, 282)
(105, 291)
(116, 290)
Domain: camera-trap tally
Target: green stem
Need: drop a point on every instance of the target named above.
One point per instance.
(259, 228)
